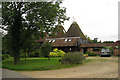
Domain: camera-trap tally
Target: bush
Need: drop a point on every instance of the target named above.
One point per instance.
(86, 55)
(34, 54)
(91, 53)
(57, 53)
(45, 49)
(5, 56)
(111, 50)
(72, 58)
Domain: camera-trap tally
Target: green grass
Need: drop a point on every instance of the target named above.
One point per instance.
(35, 64)
(39, 64)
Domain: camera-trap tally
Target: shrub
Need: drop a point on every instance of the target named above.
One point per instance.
(5, 56)
(57, 53)
(86, 55)
(91, 53)
(45, 49)
(72, 58)
(34, 54)
(111, 50)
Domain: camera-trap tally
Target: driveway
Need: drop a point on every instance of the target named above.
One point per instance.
(14, 75)
(99, 67)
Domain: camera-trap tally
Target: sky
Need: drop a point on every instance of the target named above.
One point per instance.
(96, 18)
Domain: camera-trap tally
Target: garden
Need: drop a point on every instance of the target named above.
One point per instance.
(56, 59)
(51, 59)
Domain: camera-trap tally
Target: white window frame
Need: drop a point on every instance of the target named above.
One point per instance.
(50, 40)
(53, 41)
(70, 40)
(66, 40)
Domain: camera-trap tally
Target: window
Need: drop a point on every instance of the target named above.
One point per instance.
(65, 40)
(53, 41)
(70, 40)
(50, 40)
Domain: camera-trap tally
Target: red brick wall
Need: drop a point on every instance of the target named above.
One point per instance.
(91, 50)
(115, 51)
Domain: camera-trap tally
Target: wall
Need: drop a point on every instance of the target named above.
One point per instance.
(116, 51)
(91, 50)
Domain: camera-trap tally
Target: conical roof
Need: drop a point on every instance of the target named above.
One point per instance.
(59, 31)
(75, 31)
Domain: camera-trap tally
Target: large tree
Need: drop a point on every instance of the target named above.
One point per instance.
(29, 19)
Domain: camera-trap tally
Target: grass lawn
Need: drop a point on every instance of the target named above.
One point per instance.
(35, 64)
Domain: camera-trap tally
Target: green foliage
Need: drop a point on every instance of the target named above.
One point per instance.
(23, 30)
(95, 40)
(5, 56)
(57, 53)
(27, 42)
(5, 45)
(45, 49)
(36, 53)
(86, 55)
(89, 39)
(72, 58)
(91, 53)
(108, 42)
(31, 53)
(111, 50)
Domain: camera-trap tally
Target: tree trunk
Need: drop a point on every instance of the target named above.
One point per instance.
(25, 55)
(15, 35)
(28, 51)
(16, 59)
(48, 57)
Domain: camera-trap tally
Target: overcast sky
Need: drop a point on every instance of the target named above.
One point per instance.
(96, 18)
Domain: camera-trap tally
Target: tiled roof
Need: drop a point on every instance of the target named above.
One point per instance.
(117, 43)
(62, 42)
(59, 32)
(42, 39)
(75, 31)
(96, 44)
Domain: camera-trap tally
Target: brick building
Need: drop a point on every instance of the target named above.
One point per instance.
(74, 40)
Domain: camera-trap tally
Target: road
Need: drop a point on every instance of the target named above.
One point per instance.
(14, 75)
(100, 67)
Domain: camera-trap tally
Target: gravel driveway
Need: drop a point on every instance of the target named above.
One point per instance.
(99, 67)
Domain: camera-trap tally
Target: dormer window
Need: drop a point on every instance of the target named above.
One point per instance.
(53, 41)
(70, 40)
(50, 40)
(66, 40)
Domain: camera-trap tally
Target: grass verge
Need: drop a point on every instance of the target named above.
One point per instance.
(35, 64)
(39, 64)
